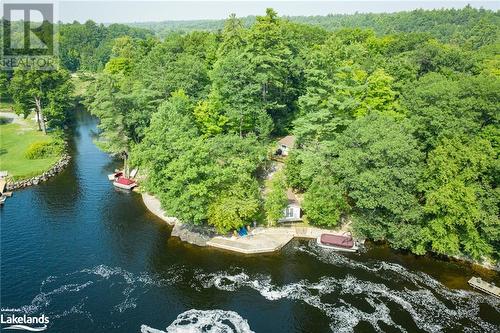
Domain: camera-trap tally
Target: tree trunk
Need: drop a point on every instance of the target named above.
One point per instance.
(44, 128)
(39, 116)
(37, 110)
(38, 119)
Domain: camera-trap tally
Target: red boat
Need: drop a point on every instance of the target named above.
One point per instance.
(124, 183)
(338, 242)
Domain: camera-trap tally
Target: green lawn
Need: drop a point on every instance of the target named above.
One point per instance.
(14, 141)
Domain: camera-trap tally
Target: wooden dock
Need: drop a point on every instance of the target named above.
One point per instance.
(484, 286)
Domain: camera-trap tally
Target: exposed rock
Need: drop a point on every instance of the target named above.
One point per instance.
(196, 235)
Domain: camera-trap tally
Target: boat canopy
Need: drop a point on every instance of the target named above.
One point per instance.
(337, 240)
(125, 181)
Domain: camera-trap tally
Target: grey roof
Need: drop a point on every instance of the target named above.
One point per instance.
(288, 141)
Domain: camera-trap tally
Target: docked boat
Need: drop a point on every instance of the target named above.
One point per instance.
(338, 242)
(3, 194)
(124, 183)
(484, 286)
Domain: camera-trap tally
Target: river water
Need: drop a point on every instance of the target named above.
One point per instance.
(93, 259)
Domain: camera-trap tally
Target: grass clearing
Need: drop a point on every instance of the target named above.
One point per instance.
(15, 138)
(81, 82)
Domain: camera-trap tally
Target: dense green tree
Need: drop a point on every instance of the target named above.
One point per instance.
(209, 116)
(236, 91)
(442, 107)
(88, 46)
(124, 111)
(173, 65)
(235, 207)
(379, 170)
(461, 204)
(48, 93)
(233, 36)
(196, 169)
(271, 58)
(170, 133)
(324, 202)
(4, 86)
(206, 168)
(275, 199)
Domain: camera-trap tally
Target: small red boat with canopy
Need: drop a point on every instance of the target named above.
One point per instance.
(124, 183)
(338, 242)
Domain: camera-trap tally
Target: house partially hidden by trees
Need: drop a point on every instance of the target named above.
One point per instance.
(285, 145)
(292, 212)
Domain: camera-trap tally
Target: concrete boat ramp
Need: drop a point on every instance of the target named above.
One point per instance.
(258, 242)
(266, 240)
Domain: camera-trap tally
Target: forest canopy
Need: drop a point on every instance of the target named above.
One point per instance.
(396, 119)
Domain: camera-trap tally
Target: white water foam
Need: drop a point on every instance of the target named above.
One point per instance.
(421, 298)
(208, 321)
(55, 289)
(345, 300)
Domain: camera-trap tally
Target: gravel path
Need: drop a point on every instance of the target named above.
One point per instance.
(15, 119)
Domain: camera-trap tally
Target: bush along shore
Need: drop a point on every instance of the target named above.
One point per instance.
(54, 170)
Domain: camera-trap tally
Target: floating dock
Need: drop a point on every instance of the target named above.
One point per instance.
(484, 286)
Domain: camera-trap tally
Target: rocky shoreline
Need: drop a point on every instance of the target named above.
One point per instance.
(191, 234)
(200, 236)
(54, 170)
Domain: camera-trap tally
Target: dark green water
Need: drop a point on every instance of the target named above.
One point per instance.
(93, 259)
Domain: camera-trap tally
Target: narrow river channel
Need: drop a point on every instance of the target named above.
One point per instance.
(93, 259)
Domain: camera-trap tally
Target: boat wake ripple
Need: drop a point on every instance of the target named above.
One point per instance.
(209, 321)
(79, 293)
(349, 300)
(388, 295)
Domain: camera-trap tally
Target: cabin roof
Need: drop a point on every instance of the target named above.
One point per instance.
(288, 141)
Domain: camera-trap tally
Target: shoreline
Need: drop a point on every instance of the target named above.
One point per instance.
(260, 240)
(52, 170)
(263, 240)
(195, 235)
(55, 169)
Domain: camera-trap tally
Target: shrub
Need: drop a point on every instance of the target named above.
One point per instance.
(44, 149)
